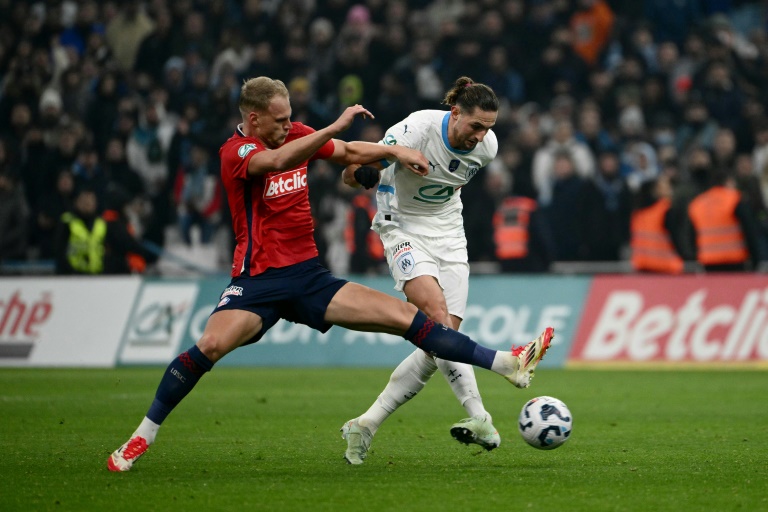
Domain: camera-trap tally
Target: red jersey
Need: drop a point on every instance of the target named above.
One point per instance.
(270, 212)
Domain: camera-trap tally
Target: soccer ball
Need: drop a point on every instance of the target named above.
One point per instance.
(545, 422)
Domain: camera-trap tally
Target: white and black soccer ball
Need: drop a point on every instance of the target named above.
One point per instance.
(545, 422)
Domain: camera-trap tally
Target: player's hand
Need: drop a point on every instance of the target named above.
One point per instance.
(367, 176)
(414, 161)
(348, 116)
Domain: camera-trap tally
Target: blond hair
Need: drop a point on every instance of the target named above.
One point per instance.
(257, 93)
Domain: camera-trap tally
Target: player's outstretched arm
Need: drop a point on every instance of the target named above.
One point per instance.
(297, 151)
(359, 152)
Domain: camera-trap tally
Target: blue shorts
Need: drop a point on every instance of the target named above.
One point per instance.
(299, 293)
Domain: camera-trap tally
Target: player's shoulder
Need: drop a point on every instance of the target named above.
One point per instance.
(300, 129)
(419, 124)
(239, 145)
(426, 117)
(492, 141)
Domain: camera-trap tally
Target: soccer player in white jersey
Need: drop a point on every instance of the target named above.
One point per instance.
(420, 224)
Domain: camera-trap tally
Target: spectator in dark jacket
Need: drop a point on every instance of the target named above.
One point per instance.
(561, 211)
(14, 216)
(123, 252)
(606, 206)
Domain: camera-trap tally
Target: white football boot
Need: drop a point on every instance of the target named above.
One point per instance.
(478, 430)
(523, 360)
(358, 441)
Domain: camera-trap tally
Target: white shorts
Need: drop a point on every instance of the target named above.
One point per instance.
(444, 258)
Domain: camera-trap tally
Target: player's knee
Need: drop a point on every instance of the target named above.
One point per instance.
(438, 312)
(212, 346)
(407, 312)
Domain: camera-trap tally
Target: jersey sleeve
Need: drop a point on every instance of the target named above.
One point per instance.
(235, 157)
(325, 151)
(407, 133)
(493, 146)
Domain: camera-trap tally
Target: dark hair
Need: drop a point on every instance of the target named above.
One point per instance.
(646, 194)
(466, 94)
(719, 176)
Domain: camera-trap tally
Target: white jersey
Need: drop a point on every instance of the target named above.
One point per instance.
(428, 205)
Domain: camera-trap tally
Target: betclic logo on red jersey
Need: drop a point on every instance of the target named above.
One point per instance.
(286, 183)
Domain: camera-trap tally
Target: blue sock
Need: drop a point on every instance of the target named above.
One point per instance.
(179, 379)
(445, 343)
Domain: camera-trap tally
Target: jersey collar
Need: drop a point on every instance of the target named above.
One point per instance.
(445, 137)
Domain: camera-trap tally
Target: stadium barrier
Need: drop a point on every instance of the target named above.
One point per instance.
(605, 320)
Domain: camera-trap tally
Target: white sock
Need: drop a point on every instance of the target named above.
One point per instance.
(503, 362)
(461, 378)
(147, 429)
(410, 377)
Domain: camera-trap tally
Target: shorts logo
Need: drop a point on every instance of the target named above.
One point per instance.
(401, 248)
(286, 183)
(245, 149)
(405, 263)
(233, 290)
(223, 302)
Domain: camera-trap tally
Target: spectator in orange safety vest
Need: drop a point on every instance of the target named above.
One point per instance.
(522, 236)
(654, 248)
(724, 228)
(364, 245)
(591, 24)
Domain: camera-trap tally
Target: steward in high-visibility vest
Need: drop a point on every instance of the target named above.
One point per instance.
(650, 241)
(80, 240)
(652, 248)
(725, 239)
(522, 236)
(510, 227)
(85, 247)
(363, 244)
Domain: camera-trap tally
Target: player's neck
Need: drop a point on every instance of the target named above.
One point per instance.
(451, 139)
(248, 131)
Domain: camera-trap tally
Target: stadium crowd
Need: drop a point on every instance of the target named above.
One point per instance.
(601, 101)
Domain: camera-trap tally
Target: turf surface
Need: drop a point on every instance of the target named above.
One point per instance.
(267, 439)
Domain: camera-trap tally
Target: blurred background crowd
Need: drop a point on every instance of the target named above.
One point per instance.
(115, 110)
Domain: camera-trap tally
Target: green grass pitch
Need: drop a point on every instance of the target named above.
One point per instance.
(267, 439)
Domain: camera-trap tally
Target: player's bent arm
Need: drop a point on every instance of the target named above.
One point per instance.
(299, 150)
(359, 152)
(290, 154)
(349, 177)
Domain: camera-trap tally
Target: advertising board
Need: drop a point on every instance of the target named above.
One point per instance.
(62, 321)
(693, 319)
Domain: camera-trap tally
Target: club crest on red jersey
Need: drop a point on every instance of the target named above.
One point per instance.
(245, 149)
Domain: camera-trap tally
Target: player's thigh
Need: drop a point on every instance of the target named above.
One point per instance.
(361, 308)
(426, 294)
(226, 330)
(438, 282)
(408, 257)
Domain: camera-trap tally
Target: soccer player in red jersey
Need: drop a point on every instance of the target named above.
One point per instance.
(275, 271)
